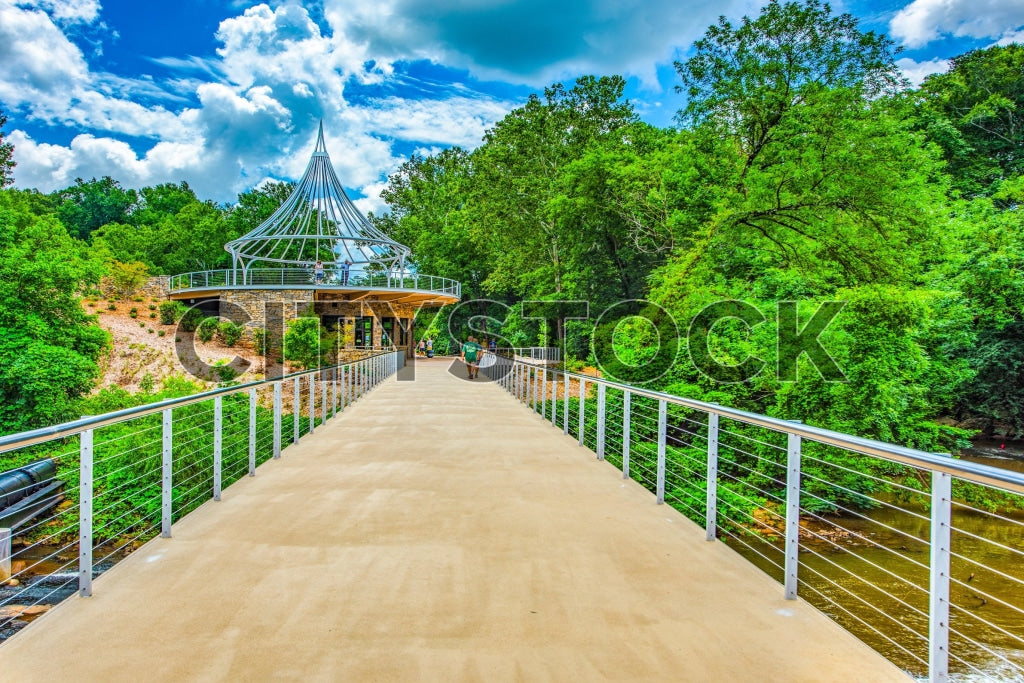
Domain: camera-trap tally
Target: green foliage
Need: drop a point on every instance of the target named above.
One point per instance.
(206, 329)
(303, 341)
(88, 205)
(124, 279)
(48, 345)
(973, 113)
(259, 337)
(171, 311)
(191, 319)
(230, 332)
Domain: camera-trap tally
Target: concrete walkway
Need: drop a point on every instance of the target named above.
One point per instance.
(437, 531)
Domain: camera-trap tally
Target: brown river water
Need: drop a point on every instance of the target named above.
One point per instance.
(874, 580)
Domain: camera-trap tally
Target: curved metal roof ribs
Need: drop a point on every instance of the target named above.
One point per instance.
(318, 222)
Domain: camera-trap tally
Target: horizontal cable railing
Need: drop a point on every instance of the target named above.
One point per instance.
(77, 497)
(920, 555)
(310, 278)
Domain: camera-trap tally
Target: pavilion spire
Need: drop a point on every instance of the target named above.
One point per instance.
(318, 222)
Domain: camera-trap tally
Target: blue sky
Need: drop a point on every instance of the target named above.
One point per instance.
(226, 95)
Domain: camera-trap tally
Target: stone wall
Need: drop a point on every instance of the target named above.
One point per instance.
(257, 303)
(156, 287)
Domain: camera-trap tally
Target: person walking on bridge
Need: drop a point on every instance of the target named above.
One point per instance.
(471, 352)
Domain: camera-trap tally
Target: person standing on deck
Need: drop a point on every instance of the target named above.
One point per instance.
(471, 352)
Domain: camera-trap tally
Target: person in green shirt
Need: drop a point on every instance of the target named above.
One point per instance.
(471, 352)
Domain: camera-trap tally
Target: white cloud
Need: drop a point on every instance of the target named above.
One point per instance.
(916, 72)
(923, 21)
(531, 41)
(71, 11)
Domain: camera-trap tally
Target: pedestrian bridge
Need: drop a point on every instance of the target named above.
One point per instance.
(437, 529)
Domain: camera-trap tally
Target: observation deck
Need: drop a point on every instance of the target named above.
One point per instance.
(414, 289)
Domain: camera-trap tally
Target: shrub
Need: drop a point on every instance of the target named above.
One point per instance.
(133, 313)
(152, 307)
(191, 319)
(230, 332)
(161, 333)
(223, 371)
(153, 315)
(170, 311)
(206, 329)
(259, 339)
(111, 307)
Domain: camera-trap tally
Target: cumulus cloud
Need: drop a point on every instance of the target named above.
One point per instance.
(923, 21)
(253, 114)
(531, 41)
(916, 72)
(226, 120)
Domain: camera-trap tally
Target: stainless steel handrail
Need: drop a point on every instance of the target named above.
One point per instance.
(977, 473)
(306, 278)
(30, 438)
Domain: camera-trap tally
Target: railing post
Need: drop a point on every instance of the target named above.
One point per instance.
(662, 428)
(536, 387)
(277, 419)
(626, 431)
(312, 402)
(296, 409)
(334, 392)
(167, 471)
(554, 397)
(600, 419)
(711, 514)
(5, 556)
(792, 515)
(938, 595)
(218, 445)
(85, 488)
(565, 404)
(323, 398)
(583, 414)
(252, 432)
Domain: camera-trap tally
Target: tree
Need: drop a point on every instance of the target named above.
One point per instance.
(7, 162)
(257, 205)
(48, 345)
(88, 205)
(975, 112)
(811, 166)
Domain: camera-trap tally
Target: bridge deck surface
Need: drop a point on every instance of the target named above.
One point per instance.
(437, 531)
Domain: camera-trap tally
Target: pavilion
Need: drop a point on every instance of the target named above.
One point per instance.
(318, 253)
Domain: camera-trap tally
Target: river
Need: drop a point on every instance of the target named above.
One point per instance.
(874, 580)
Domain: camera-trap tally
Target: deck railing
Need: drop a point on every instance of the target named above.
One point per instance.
(128, 475)
(919, 555)
(301, 278)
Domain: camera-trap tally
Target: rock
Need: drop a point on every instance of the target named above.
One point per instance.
(18, 566)
(13, 582)
(23, 611)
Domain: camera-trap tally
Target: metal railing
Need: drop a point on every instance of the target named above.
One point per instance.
(918, 554)
(128, 475)
(303, 278)
(551, 354)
